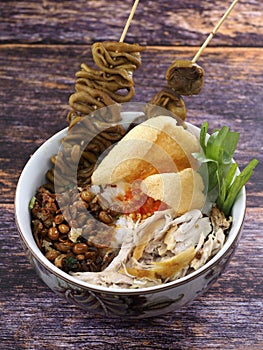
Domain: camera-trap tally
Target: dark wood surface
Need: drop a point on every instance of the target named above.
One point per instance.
(42, 44)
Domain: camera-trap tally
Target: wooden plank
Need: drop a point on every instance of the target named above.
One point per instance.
(36, 82)
(42, 44)
(163, 22)
(39, 80)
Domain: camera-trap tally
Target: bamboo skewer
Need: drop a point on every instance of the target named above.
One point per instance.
(136, 2)
(212, 34)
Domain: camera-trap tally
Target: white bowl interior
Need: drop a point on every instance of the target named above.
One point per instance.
(33, 176)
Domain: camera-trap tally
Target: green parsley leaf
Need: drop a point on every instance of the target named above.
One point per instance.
(218, 169)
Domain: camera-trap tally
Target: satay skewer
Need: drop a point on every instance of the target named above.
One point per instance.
(212, 34)
(134, 7)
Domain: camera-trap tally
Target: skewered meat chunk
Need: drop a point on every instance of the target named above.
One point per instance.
(171, 100)
(185, 77)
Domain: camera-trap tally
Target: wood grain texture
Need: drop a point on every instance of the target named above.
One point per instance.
(157, 23)
(32, 316)
(42, 44)
(41, 83)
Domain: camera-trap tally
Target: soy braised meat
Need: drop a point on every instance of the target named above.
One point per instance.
(109, 55)
(170, 100)
(185, 77)
(76, 161)
(110, 83)
(86, 99)
(101, 80)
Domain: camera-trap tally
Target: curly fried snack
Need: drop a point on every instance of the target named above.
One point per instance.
(157, 145)
(182, 191)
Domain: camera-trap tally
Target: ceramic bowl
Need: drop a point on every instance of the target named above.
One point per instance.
(139, 303)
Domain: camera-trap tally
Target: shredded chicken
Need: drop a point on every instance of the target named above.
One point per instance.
(218, 219)
(209, 249)
(161, 248)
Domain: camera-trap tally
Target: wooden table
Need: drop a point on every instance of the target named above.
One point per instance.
(42, 44)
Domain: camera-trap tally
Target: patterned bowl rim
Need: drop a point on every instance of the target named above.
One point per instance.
(239, 215)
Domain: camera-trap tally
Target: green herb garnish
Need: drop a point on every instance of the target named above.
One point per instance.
(32, 202)
(70, 263)
(218, 169)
